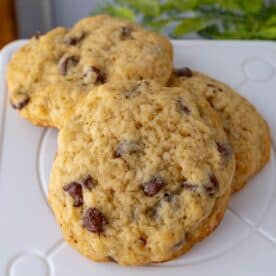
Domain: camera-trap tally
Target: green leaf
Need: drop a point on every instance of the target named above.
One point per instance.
(160, 24)
(227, 19)
(268, 11)
(228, 34)
(206, 2)
(146, 7)
(190, 25)
(224, 4)
(178, 5)
(251, 6)
(268, 33)
(229, 4)
(271, 21)
(121, 12)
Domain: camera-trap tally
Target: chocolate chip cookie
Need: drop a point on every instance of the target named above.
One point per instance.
(142, 173)
(247, 131)
(53, 72)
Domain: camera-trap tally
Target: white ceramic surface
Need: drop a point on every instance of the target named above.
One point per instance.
(245, 242)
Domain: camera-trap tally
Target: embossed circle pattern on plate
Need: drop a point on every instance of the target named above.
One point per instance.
(29, 264)
(257, 69)
(46, 156)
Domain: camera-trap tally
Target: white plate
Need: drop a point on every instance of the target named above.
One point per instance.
(245, 242)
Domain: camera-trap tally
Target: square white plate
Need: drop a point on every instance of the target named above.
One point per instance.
(245, 242)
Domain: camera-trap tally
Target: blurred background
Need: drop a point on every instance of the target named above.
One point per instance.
(221, 19)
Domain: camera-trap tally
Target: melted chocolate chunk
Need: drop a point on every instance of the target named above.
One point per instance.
(183, 72)
(153, 186)
(74, 40)
(212, 187)
(189, 186)
(94, 220)
(225, 150)
(125, 32)
(75, 191)
(101, 76)
(66, 63)
(22, 103)
(182, 107)
(89, 182)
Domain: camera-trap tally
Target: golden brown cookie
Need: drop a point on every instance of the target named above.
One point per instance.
(247, 131)
(140, 176)
(53, 72)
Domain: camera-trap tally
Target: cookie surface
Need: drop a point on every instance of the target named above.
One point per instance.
(53, 72)
(139, 176)
(247, 131)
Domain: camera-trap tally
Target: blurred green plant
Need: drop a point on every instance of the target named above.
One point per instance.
(221, 19)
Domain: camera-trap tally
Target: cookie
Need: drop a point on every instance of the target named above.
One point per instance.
(247, 131)
(140, 176)
(53, 72)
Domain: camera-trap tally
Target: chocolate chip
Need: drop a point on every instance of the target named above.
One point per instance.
(168, 196)
(220, 90)
(37, 35)
(101, 76)
(152, 212)
(89, 182)
(118, 152)
(227, 130)
(212, 186)
(75, 191)
(143, 240)
(66, 63)
(182, 107)
(127, 147)
(189, 186)
(94, 220)
(224, 149)
(125, 32)
(210, 85)
(153, 186)
(183, 72)
(74, 40)
(210, 101)
(111, 259)
(22, 103)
